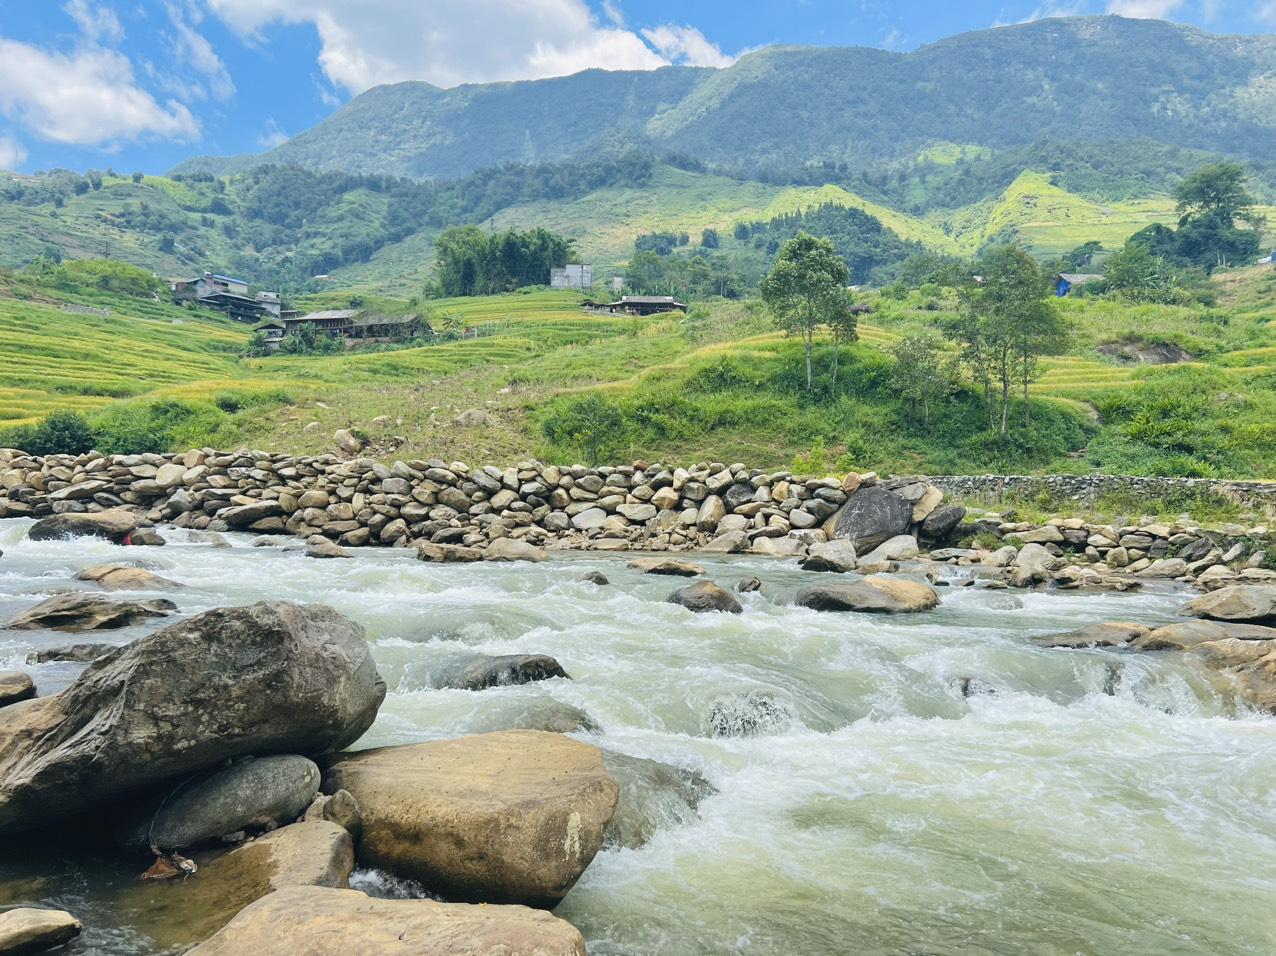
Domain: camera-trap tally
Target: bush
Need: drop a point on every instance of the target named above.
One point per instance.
(588, 424)
(133, 428)
(61, 433)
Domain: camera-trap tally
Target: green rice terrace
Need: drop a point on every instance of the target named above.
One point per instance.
(554, 380)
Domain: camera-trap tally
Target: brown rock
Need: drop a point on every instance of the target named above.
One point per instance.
(15, 686)
(876, 594)
(668, 566)
(88, 612)
(121, 577)
(705, 596)
(1103, 634)
(503, 817)
(114, 524)
(325, 922)
(27, 929)
(1245, 603)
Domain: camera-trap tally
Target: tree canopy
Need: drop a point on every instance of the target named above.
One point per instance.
(806, 289)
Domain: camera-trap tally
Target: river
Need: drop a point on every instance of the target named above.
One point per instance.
(1069, 802)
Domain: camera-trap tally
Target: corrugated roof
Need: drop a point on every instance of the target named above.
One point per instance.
(328, 314)
(1079, 278)
(217, 275)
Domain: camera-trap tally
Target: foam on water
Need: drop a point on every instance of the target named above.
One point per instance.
(1073, 802)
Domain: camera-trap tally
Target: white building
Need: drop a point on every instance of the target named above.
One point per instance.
(572, 276)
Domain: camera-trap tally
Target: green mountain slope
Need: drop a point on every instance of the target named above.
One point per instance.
(1097, 78)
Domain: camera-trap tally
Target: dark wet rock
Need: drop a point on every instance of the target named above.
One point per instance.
(249, 516)
(941, 522)
(27, 929)
(1240, 603)
(1196, 550)
(871, 515)
(81, 611)
(340, 808)
(748, 715)
(595, 577)
(504, 818)
(748, 586)
(480, 671)
(115, 524)
(705, 596)
(674, 567)
(71, 653)
(536, 713)
(872, 594)
(15, 686)
(333, 922)
(1101, 634)
(270, 678)
(147, 537)
(253, 795)
(974, 687)
(653, 796)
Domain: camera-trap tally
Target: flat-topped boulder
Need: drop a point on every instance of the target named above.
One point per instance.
(332, 922)
(502, 817)
(15, 686)
(512, 549)
(28, 929)
(1241, 603)
(836, 556)
(271, 678)
(1183, 635)
(480, 671)
(78, 612)
(874, 594)
(672, 567)
(114, 524)
(447, 553)
(123, 577)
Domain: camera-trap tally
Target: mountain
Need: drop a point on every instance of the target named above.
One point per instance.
(1092, 78)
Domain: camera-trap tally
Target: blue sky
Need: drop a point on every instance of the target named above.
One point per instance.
(142, 84)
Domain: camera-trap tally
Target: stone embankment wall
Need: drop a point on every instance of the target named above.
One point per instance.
(1258, 495)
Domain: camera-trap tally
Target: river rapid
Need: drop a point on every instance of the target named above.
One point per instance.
(932, 784)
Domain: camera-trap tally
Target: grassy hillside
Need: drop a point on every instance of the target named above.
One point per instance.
(717, 383)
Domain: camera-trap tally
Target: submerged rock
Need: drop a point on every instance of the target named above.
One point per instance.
(15, 686)
(480, 671)
(1103, 634)
(504, 817)
(874, 594)
(251, 795)
(595, 577)
(88, 612)
(705, 596)
(328, 922)
(27, 929)
(653, 796)
(121, 577)
(71, 653)
(748, 585)
(115, 525)
(748, 715)
(271, 678)
(536, 713)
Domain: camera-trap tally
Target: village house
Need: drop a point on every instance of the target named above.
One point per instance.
(572, 276)
(227, 294)
(354, 326)
(645, 305)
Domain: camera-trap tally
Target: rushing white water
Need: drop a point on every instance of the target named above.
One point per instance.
(1091, 802)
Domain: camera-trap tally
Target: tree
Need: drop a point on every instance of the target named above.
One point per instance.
(709, 239)
(919, 375)
(844, 324)
(1216, 190)
(1007, 321)
(1080, 257)
(256, 346)
(806, 286)
(1137, 274)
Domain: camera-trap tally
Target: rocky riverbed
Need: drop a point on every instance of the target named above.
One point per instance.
(955, 764)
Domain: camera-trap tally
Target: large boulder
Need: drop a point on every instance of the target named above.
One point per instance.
(15, 686)
(511, 549)
(70, 653)
(122, 577)
(869, 517)
(27, 929)
(327, 922)
(1032, 565)
(705, 596)
(1102, 634)
(115, 524)
(874, 594)
(1252, 666)
(78, 612)
(480, 671)
(511, 817)
(1243, 603)
(271, 678)
(251, 795)
(1183, 635)
(447, 553)
(245, 516)
(941, 522)
(902, 547)
(673, 567)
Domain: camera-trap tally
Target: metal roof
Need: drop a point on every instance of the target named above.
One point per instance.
(327, 314)
(217, 275)
(1079, 278)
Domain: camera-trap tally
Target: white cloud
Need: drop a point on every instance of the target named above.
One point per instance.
(1144, 9)
(272, 136)
(98, 23)
(612, 11)
(88, 97)
(12, 153)
(686, 45)
(1057, 8)
(448, 42)
(192, 49)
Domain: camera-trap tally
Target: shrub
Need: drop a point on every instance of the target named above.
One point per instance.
(588, 424)
(61, 433)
